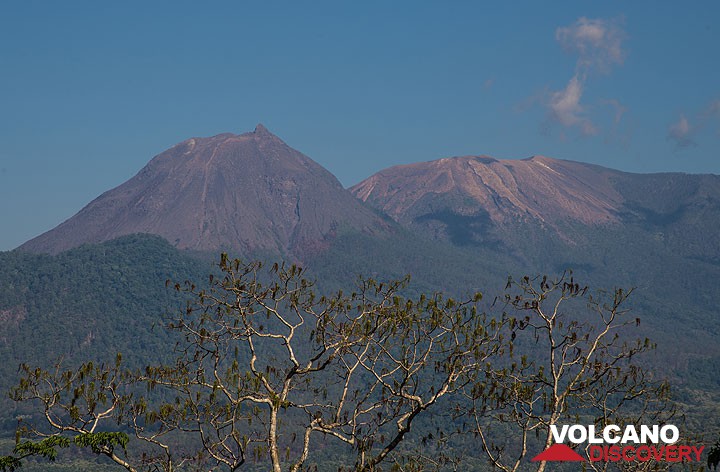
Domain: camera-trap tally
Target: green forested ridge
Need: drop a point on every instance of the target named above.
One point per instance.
(389, 329)
(96, 300)
(88, 303)
(675, 298)
(89, 299)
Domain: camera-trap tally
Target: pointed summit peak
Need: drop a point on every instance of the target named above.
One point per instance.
(262, 134)
(262, 130)
(246, 193)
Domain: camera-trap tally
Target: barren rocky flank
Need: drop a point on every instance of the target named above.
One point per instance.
(248, 192)
(537, 188)
(478, 199)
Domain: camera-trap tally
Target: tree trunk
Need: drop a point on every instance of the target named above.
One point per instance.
(272, 440)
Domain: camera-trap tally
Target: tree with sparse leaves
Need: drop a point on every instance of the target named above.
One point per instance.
(575, 364)
(265, 369)
(76, 406)
(267, 372)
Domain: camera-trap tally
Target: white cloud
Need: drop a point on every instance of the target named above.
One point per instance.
(597, 43)
(684, 130)
(681, 132)
(566, 108)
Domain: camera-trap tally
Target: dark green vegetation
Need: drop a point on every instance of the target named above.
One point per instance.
(269, 373)
(96, 300)
(88, 303)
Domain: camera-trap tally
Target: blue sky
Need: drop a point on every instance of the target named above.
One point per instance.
(90, 91)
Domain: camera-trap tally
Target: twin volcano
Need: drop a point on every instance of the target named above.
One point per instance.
(247, 193)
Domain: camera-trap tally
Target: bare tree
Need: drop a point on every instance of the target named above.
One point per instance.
(265, 368)
(576, 364)
(404, 359)
(359, 368)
